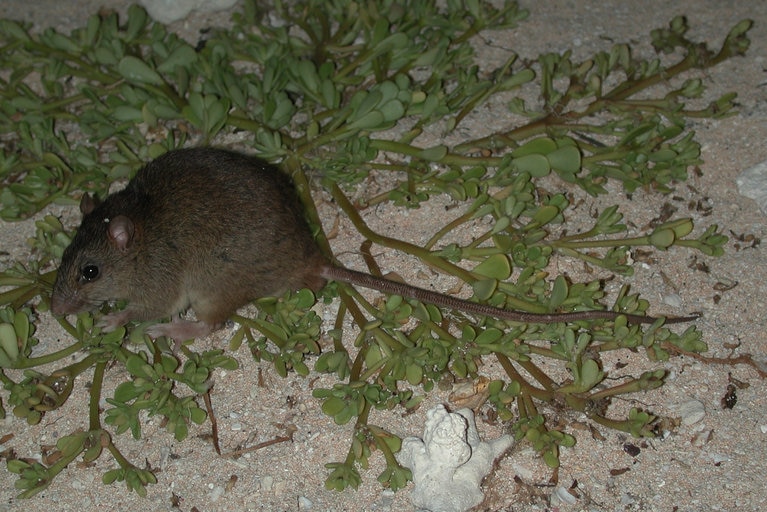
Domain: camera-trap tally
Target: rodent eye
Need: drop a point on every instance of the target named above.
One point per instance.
(89, 272)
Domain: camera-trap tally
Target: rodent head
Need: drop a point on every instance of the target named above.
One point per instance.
(89, 272)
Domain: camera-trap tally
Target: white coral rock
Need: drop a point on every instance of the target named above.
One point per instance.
(449, 463)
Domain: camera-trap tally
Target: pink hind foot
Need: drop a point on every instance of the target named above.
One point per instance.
(181, 330)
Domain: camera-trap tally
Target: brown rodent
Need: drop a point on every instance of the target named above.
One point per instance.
(211, 229)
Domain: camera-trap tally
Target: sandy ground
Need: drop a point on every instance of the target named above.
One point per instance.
(716, 463)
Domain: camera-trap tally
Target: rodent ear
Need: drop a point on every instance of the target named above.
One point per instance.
(88, 203)
(121, 231)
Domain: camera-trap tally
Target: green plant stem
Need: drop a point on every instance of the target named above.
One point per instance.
(357, 374)
(378, 434)
(544, 380)
(545, 352)
(82, 68)
(392, 343)
(515, 376)
(16, 297)
(620, 425)
(119, 457)
(261, 326)
(439, 331)
(609, 242)
(448, 159)
(527, 408)
(593, 260)
(630, 386)
(579, 236)
(53, 357)
(247, 124)
(338, 325)
(394, 243)
(95, 396)
(450, 226)
(79, 367)
(361, 320)
(7, 381)
(359, 426)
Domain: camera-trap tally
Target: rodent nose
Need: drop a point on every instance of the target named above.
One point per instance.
(57, 304)
(62, 305)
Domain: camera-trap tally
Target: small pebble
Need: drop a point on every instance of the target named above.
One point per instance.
(279, 487)
(673, 299)
(216, 493)
(524, 472)
(564, 495)
(627, 499)
(702, 438)
(266, 483)
(752, 183)
(691, 412)
(164, 457)
(304, 503)
(387, 499)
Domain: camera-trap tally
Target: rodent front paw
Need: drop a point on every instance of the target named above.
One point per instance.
(112, 321)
